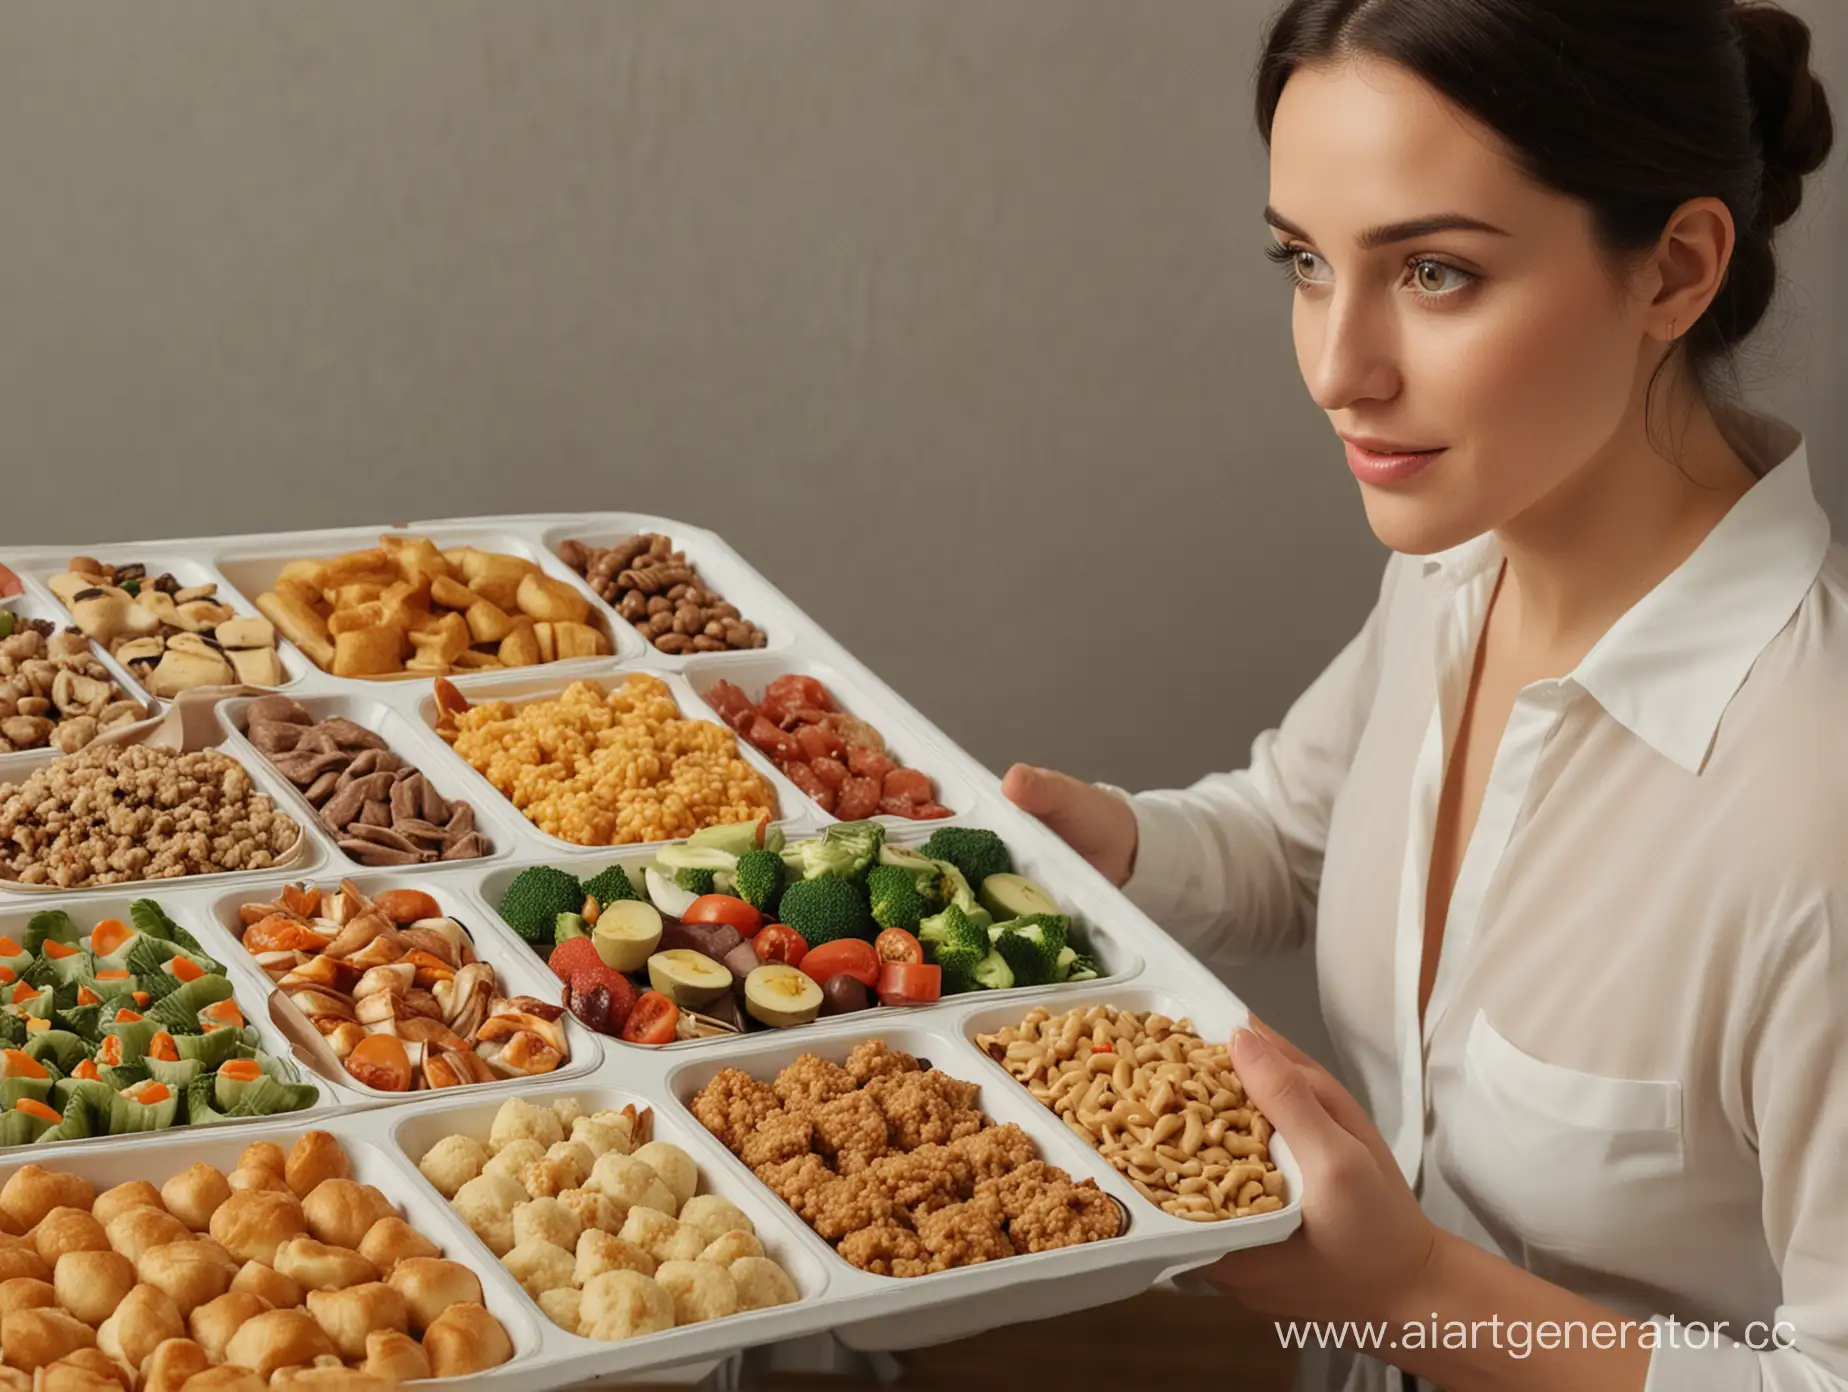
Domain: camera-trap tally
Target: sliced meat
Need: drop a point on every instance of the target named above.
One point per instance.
(858, 797)
(819, 742)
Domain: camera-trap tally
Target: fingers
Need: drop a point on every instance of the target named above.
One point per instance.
(1284, 1091)
(1340, 1104)
(1034, 790)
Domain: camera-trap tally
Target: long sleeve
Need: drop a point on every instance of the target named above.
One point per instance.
(1797, 1073)
(1230, 866)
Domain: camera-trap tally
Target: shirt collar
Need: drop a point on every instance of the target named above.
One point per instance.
(1671, 665)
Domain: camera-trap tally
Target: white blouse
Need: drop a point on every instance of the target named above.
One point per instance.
(1632, 1076)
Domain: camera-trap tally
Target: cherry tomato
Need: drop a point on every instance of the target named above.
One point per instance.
(909, 983)
(896, 945)
(9, 584)
(780, 943)
(652, 1021)
(724, 908)
(844, 956)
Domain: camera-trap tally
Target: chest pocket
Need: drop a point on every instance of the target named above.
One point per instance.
(1554, 1158)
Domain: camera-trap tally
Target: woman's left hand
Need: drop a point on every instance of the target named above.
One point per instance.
(1364, 1245)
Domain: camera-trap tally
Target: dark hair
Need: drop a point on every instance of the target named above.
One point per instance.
(1631, 106)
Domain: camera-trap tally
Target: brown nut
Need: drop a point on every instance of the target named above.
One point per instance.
(673, 642)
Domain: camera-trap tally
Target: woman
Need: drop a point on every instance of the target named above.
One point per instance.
(1565, 817)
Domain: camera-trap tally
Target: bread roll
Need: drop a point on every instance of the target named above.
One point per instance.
(264, 1155)
(213, 1323)
(624, 1305)
(349, 1316)
(729, 1247)
(713, 1217)
(762, 1283)
(321, 1266)
(395, 1355)
(598, 1252)
(194, 1194)
(431, 1285)
(134, 1231)
(392, 1240)
(68, 1230)
(146, 1316)
(313, 1158)
(252, 1224)
(22, 1260)
(228, 1378)
(191, 1273)
(171, 1363)
(91, 1284)
(676, 1168)
(251, 1179)
(112, 1203)
(84, 1370)
(340, 1212)
(701, 1291)
(255, 1278)
(33, 1191)
(26, 1293)
(465, 1339)
(278, 1339)
(33, 1338)
(453, 1162)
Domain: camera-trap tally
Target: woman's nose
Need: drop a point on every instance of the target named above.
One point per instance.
(1353, 355)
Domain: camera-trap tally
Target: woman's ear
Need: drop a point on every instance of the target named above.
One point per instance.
(1688, 266)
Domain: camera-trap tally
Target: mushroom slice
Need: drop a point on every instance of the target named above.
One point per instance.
(457, 1068)
(317, 1002)
(344, 1037)
(380, 1007)
(431, 971)
(280, 962)
(424, 1030)
(423, 1003)
(349, 904)
(386, 947)
(450, 932)
(532, 1005)
(394, 978)
(506, 1024)
(320, 970)
(359, 931)
(470, 995)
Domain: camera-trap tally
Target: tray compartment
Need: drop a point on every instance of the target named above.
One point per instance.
(516, 970)
(253, 569)
(419, 748)
(157, 1160)
(39, 604)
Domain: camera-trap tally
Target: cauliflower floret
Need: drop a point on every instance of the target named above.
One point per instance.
(701, 1291)
(512, 1159)
(714, 1217)
(486, 1204)
(631, 1182)
(810, 1080)
(761, 1283)
(453, 1162)
(562, 1306)
(598, 1252)
(676, 1168)
(539, 1266)
(569, 1109)
(594, 1209)
(602, 1136)
(545, 1220)
(518, 1120)
(873, 1058)
(659, 1235)
(731, 1247)
(624, 1305)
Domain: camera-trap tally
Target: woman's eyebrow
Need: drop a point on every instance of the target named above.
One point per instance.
(1388, 233)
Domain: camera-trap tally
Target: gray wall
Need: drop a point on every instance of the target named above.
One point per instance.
(950, 314)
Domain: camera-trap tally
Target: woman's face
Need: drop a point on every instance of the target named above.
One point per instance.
(1509, 349)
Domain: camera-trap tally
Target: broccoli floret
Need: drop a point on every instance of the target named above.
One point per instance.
(760, 879)
(958, 964)
(609, 886)
(736, 838)
(825, 909)
(956, 889)
(992, 973)
(977, 853)
(696, 881)
(568, 926)
(952, 929)
(687, 856)
(929, 873)
(535, 899)
(1031, 946)
(863, 839)
(819, 860)
(1076, 966)
(895, 898)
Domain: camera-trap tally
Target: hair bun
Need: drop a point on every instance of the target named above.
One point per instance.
(1793, 120)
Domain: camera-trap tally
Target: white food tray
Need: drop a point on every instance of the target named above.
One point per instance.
(1143, 968)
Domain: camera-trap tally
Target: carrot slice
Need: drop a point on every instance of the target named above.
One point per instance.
(17, 1063)
(23, 992)
(148, 1093)
(8, 976)
(9, 948)
(109, 1052)
(240, 1070)
(31, 1106)
(140, 998)
(37, 1026)
(225, 1012)
(302, 899)
(186, 969)
(85, 996)
(55, 949)
(87, 1069)
(109, 935)
(113, 974)
(125, 1016)
(161, 1046)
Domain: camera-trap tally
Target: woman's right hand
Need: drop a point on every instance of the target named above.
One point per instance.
(1097, 824)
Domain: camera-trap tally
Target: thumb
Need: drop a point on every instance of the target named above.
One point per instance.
(1034, 790)
(1285, 1092)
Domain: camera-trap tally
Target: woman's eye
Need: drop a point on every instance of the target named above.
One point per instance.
(1300, 265)
(1438, 278)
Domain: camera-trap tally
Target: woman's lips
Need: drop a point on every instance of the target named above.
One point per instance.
(1387, 464)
